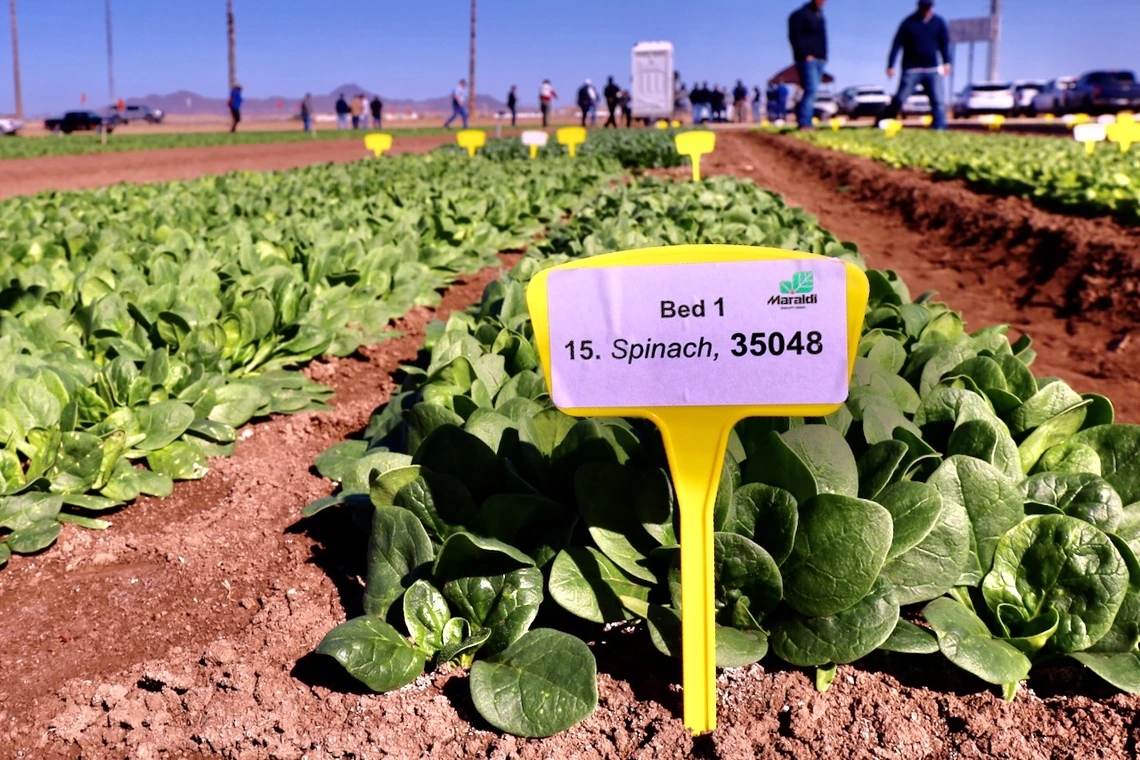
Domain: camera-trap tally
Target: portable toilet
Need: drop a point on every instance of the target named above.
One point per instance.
(651, 94)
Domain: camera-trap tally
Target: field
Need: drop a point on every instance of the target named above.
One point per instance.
(281, 388)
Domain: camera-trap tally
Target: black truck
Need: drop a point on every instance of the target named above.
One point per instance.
(79, 121)
(1104, 92)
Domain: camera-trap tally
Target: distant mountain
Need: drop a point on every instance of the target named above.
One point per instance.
(184, 103)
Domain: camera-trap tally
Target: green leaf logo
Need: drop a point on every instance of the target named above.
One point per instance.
(801, 282)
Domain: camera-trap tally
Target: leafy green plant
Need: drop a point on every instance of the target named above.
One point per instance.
(144, 324)
(1055, 174)
(954, 504)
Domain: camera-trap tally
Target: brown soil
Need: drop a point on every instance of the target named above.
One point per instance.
(24, 176)
(186, 628)
(1073, 284)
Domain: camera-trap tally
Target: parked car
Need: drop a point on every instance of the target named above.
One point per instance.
(984, 98)
(917, 104)
(1023, 93)
(863, 100)
(1051, 99)
(10, 126)
(79, 121)
(1103, 92)
(825, 106)
(136, 112)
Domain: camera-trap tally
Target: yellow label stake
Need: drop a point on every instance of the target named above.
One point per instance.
(1124, 132)
(695, 437)
(694, 144)
(471, 139)
(571, 137)
(378, 142)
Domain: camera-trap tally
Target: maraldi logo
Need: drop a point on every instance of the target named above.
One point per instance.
(796, 292)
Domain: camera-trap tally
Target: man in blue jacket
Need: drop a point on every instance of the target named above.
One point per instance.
(808, 34)
(924, 39)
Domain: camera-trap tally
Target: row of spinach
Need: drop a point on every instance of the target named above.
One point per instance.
(956, 503)
(144, 324)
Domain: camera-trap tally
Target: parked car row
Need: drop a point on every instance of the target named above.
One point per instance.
(89, 121)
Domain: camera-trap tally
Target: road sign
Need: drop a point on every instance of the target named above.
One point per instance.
(697, 338)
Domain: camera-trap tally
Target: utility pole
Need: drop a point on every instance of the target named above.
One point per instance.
(471, 68)
(230, 32)
(16, 60)
(110, 58)
(995, 36)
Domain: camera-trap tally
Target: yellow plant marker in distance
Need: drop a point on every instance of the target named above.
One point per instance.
(1081, 118)
(571, 137)
(993, 121)
(891, 127)
(926, 120)
(1089, 135)
(1049, 117)
(694, 144)
(837, 122)
(471, 139)
(662, 124)
(1124, 132)
(697, 338)
(676, 123)
(534, 139)
(378, 142)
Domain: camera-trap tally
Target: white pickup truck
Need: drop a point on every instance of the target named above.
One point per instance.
(10, 126)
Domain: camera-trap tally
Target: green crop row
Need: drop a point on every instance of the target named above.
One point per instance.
(1053, 173)
(954, 504)
(122, 140)
(633, 148)
(143, 324)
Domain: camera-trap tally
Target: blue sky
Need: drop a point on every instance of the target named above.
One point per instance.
(418, 49)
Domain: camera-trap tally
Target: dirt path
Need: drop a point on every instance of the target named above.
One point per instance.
(1073, 284)
(24, 176)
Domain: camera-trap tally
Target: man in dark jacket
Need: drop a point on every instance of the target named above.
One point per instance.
(513, 103)
(923, 38)
(377, 108)
(584, 100)
(611, 93)
(739, 98)
(807, 32)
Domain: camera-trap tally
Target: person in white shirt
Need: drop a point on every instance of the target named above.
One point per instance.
(458, 104)
(546, 95)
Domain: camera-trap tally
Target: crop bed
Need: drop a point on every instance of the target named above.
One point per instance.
(239, 681)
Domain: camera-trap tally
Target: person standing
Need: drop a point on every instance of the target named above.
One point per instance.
(458, 104)
(584, 100)
(739, 101)
(235, 106)
(377, 107)
(513, 104)
(307, 112)
(782, 101)
(923, 39)
(756, 104)
(611, 93)
(626, 111)
(546, 95)
(356, 109)
(807, 31)
(341, 112)
(593, 93)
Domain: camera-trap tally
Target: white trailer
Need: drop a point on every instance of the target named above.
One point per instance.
(651, 94)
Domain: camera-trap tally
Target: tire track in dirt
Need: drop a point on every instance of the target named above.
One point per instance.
(1071, 283)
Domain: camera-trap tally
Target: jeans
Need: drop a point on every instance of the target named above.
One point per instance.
(355, 121)
(457, 110)
(307, 120)
(342, 121)
(545, 112)
(811, 76)
(931, 82)
(235, 114)
(755, 111)
(514, 115)
(593, 116)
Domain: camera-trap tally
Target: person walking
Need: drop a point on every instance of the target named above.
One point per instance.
(546, 95)
(923, 38)
(611, 93)
(739, 101)
(584, 101)
(593, 93)
(307, 112)
(756, 104)
(807, 31)
(458, 104)
(235, 106)
(513, 104)
(782, 101)
(377, 107)
(626, 111)
(342, 110)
